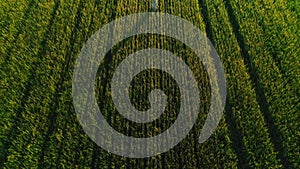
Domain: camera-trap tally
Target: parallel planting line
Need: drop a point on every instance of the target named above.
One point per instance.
(16, 94)
(12, 24)
(64, 73)
(282, 40)
(78, 141)
(275, 98)
(107, 11)
(34, 126)
(218, 149)
(243, 113)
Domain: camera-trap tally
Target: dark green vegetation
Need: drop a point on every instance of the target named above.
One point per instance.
(258, 43)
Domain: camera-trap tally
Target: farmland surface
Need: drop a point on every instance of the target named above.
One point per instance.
(257, 42)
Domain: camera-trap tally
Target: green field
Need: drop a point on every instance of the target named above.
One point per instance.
(257, 41)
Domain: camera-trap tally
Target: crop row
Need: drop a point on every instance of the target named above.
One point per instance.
(277, 99)
(20, 62)
(74, 145)
(75, 148)
(105, 73)
(243, 110)
(28, 147)
(13, 16)
(282, 40)
(189, 153)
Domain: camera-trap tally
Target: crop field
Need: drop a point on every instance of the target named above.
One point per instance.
(258, 44)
